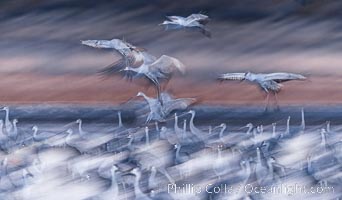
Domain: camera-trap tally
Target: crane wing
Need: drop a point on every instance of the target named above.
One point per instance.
(113, 68)
(282, 77)
(174, 18)
(148, 58)
(166, 97)
(106, 44)
(119, 66)
(200, 18)
(177, 104)
(232, 76)
(167, 65)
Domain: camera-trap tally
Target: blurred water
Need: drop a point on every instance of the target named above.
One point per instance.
(56, 167)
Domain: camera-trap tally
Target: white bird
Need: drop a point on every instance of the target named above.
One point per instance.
(178, 131)
(138, 62)
(131, 55)
(139, 195)
(113, 191)
(269, 83)
(41, 136)
(86, 145)
(8, 124)
(159, 112)
(156, 70)
(3, 137)
(322, 163)
(192, 22)
(194, 130)
(82, 133)
(181, 157)
(13, 133)
(122, 47)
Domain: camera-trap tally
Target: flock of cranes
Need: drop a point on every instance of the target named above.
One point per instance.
(137, 63)
(171, 158)
(152, 161)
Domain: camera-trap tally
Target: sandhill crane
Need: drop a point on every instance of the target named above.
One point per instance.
(267, 82)
(38, 137)
(122, 47)
(137, 191)
(131, 55)
(8, 124)
(159, 112)
(192, 22)
(138, 62)
(156, 70)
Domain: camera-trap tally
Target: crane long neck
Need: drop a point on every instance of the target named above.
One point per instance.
(184, 128)
(1, 127)
(193, 129)
(287, 126)
(120, 119)
(80, 128)
(258, 155)
(249, 130)
(114, 185)
(137, 190)
(261, 130)
(147, 137)
(8, 124)
(35, 131)
(145, 97)
(270, 167)
(274, 131)
(254, 133)
(323, 142)
(303, 120)
(7, 121)
(176, 123)
(130, 142)
(157, 127)
(177, 151)
(152, 176)
(221, 132)
(4, 169)
(14, 133)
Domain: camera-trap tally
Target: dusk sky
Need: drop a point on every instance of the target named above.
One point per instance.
(42, 59)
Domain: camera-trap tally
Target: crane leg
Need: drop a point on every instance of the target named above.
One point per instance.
(158, 94)
(267, 101)
(276, 100)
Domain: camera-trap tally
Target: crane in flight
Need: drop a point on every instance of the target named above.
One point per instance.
(269, 83)
(136, 62)
(130, 54)
(192, 22)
